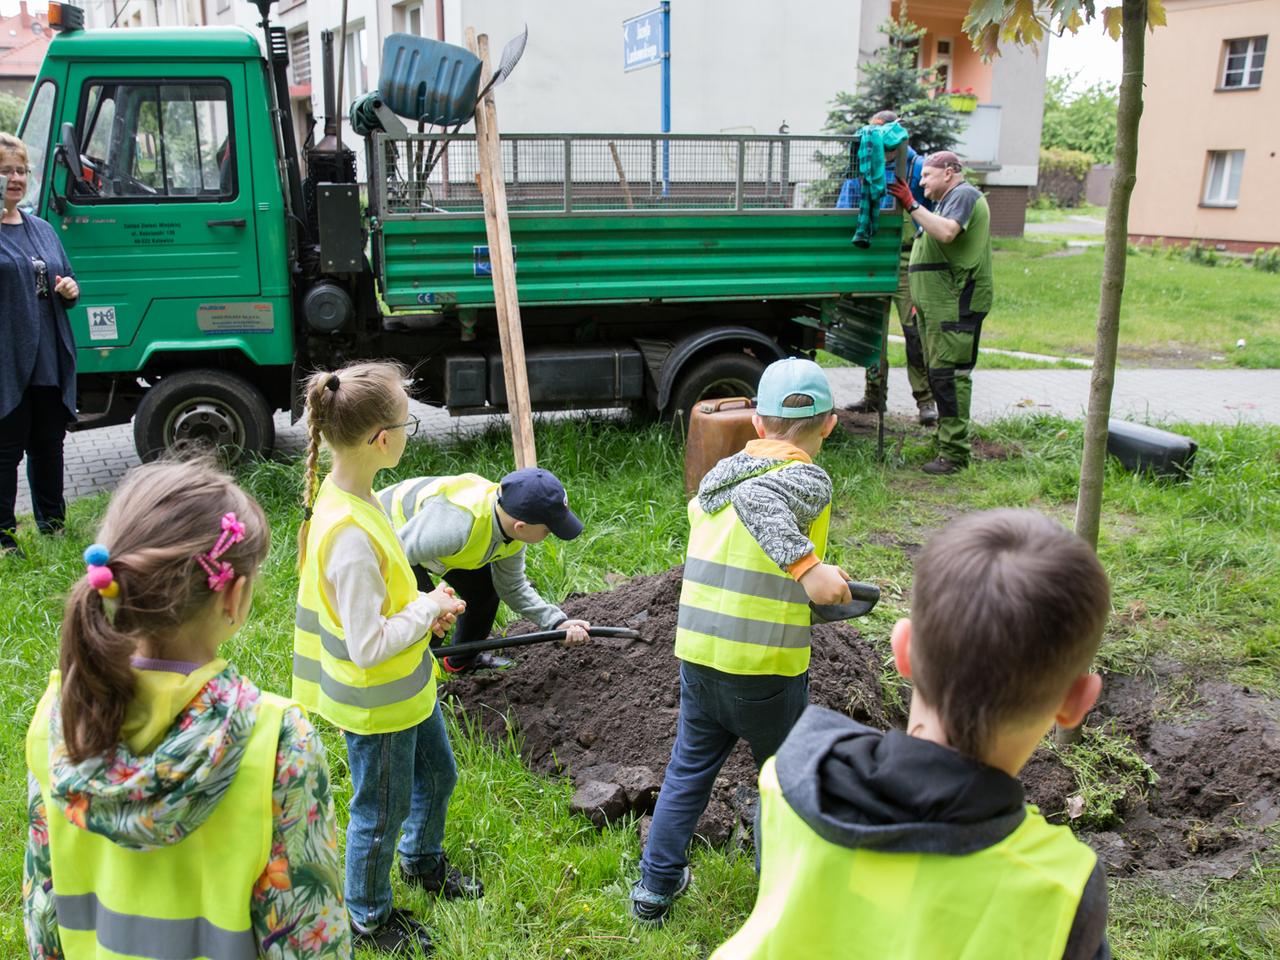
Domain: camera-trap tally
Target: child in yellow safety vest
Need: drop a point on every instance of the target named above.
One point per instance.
(361, 656)
(173, 805)
(472, 532)
(919, 845)
(757, 537)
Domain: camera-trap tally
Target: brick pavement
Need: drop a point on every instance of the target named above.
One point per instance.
(97, 459)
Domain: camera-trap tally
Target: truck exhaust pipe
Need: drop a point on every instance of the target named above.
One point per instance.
(327, 78)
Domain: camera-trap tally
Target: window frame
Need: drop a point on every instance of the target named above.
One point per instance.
(1223, 201)
(1250, 54)
(82, 131)
(46, 160)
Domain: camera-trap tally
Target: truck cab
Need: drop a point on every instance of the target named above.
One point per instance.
(218, 263)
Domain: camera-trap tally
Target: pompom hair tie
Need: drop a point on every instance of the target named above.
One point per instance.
(99, 575)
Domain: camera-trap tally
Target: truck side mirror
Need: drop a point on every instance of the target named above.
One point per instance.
(70, 150)
(67, 153)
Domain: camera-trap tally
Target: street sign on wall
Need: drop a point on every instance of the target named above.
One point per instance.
(642, 44)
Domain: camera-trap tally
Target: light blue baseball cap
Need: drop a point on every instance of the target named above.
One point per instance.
(782, 378)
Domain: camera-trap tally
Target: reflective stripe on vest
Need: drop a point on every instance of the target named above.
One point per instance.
(468, 492)
(186, 901)
(1016, 899)
(739, 613)
(393, 695)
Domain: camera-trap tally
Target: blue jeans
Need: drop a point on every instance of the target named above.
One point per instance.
(401, 779)
(716, 709)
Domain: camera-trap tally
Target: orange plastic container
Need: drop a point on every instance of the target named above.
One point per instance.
(717, 428)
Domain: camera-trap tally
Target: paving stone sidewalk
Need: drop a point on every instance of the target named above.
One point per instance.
(97, 459)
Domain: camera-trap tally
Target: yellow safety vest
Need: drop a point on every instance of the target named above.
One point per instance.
(1015, 900)
(468, 491)
(188, 901)
(393, 695)
(739, 613)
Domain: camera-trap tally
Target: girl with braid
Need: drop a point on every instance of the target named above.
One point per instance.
(361, 655)
(174, 808)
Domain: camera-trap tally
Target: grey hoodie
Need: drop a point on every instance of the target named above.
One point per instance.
(860, 788)
(776, 508)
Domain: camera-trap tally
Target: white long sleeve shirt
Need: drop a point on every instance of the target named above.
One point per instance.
(354, 586)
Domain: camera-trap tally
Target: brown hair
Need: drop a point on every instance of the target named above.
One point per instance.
(793, 429)
(1009, 609)
(344, 408)
(11, 144)
(161, 518)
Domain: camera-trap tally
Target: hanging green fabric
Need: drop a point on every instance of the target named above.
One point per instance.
(873, 141)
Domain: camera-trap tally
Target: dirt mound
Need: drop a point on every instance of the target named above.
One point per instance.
(605, 714)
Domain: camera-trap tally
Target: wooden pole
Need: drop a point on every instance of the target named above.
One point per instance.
(622, 175)
(502, 262)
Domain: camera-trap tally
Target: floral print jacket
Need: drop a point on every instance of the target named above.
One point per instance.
(156, 798)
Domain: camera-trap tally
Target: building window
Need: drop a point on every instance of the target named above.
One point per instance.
(1242, 63)
(357, 59)
(408, 18)
(300, 57)
(942, 63)
(1222, 178)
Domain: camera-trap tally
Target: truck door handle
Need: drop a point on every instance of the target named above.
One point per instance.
(237, 222)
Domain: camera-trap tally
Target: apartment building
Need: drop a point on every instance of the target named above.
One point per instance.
(1207, 148)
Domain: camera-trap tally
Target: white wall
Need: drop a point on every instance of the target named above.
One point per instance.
(1017, 87)
(744, 66)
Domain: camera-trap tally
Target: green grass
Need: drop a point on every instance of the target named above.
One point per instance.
(1059, 214)
(988, 361)
(1195, 567)
(1174, 312)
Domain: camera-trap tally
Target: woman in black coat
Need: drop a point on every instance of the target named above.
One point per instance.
(38, 359)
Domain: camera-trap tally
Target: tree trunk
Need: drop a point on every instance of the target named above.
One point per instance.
(1089, 501)
(1129, 112)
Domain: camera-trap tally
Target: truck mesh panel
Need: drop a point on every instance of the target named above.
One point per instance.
(593, 173)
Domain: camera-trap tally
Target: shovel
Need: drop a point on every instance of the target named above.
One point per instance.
(511, 55)
(865, 597)
(528, 639)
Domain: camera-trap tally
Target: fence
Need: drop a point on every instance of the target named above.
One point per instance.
(436, 175)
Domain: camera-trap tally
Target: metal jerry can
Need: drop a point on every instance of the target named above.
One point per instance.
(717, 428)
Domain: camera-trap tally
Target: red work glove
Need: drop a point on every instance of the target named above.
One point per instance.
(902, 193)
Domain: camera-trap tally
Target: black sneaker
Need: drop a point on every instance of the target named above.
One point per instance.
(445, 881)
(865, 406)
(652, 908)
(481, 661)
(941, 467)
(396, 935)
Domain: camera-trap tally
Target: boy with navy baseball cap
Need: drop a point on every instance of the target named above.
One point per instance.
(472, 532)
(757, 537)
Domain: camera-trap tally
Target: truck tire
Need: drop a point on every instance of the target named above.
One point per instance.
(721, 375)
(206, 409)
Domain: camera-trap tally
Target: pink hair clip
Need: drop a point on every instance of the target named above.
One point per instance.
(222, 573)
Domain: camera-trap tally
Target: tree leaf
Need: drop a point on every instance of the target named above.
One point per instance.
(1155, 14)
(1112, 18)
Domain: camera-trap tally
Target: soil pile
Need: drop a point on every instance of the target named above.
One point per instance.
(605, 714)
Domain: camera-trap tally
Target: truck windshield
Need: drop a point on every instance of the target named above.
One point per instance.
(35, 134)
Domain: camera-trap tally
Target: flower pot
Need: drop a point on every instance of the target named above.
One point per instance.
(963, 102)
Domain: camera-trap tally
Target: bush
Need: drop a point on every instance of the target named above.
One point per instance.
(11, 108)
(1062, 176)
(1080, 119)
(1268, 261)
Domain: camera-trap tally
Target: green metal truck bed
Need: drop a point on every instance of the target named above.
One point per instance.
(610, 219)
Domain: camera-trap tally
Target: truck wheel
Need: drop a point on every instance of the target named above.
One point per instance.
(203, 409)
(722, 375)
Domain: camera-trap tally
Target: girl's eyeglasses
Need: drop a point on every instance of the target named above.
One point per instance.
(410, 428)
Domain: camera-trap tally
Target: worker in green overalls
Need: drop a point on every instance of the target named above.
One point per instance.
(950, 277)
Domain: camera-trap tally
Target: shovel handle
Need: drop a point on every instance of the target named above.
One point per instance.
(528, 639)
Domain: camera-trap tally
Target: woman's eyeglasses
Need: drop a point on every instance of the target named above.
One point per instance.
(410, 428)
(14, 171)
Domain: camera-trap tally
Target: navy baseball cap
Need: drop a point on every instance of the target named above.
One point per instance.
(535, 495)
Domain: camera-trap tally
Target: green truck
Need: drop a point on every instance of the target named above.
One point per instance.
(219, 262)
